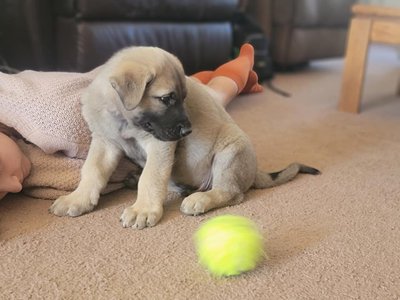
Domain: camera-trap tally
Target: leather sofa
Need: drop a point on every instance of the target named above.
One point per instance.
(26, 34)
(303, 30)
(78, 35)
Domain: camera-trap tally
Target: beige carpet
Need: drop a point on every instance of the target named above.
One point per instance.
(333, 236)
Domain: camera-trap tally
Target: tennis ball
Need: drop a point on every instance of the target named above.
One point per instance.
(229, 245)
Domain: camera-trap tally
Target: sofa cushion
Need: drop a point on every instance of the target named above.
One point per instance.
(26, 40)
(148, 9)
(307, 44)
(83, 46)
(312, 13)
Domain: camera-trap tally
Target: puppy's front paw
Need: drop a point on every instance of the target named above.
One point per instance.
(140, 215)
(196, 204)
(71, 205)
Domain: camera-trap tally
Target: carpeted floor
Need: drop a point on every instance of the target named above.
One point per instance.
(333, 236)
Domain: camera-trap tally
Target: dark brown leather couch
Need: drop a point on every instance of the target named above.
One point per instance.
(26, 34)
(78, 35)
(303, 30)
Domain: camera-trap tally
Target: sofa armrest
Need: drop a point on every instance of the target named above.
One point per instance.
(261, 11)
(303, 30)
(26, 34)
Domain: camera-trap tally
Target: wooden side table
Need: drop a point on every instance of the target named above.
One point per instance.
(369, 24)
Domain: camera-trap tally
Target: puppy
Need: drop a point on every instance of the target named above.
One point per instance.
(143, 106)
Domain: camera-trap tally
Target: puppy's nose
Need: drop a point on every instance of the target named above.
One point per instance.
(185, 131)
(185, 128)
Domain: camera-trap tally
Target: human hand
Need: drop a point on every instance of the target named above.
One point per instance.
(14, 166)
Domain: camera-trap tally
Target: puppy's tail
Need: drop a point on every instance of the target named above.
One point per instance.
(266, 180)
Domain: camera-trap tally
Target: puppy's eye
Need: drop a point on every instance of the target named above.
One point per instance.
(168, 99)
(165, 99)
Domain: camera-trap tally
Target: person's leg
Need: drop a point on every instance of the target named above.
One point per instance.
(252, 85)
(227, 89)
(224, 88)
(233, 77)
(202, 76)
(237, 69)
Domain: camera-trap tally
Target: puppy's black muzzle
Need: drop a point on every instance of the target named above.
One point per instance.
(176, 132)
(167, 132)
(172, 125)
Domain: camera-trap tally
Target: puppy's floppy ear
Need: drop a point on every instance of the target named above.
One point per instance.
(129, 81)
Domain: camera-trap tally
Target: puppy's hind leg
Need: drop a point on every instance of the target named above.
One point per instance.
(201, 202)
(233, 173)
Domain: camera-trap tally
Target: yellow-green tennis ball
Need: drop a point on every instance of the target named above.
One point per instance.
(229, 245)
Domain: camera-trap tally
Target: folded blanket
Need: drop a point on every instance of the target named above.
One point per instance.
(44, 108)
(54, 175)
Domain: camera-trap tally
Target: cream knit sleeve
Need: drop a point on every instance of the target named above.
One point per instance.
(44, 107)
